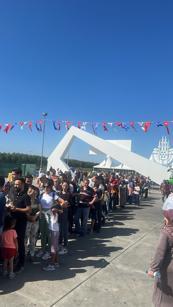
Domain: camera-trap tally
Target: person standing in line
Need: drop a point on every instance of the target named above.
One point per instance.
(136, 194)
(161, 267)
(2, 202)
(123, 194)
(20, 205)
(54, 238)
(32, 223)
(9, 186)
(63, 218)
(85, 200)
(130, 189)
(9, 245)
(96, 209)
(28, 180)
(46, 200)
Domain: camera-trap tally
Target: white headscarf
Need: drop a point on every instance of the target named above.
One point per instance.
(168, 207)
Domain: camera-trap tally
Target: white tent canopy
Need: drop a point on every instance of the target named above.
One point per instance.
(109, 163)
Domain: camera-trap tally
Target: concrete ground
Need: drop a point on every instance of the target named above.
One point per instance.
(106, 269)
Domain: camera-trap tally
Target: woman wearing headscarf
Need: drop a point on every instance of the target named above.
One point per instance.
(162, 264)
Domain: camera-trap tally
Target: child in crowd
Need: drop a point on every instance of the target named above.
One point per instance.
(54, 239)
(9, 246)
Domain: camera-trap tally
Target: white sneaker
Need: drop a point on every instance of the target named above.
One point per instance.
(39, 254)
(50, 267)
(12, 275)
(63, 251)
(46, 256)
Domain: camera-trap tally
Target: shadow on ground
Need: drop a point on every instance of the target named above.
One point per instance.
(89, 251)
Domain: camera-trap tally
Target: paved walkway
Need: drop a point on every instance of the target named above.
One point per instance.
(106, 269)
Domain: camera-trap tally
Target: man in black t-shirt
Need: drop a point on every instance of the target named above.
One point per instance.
(20, 205)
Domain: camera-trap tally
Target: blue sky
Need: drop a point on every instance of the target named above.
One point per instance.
(88, 60)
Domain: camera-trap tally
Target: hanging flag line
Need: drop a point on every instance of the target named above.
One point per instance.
(58, 125)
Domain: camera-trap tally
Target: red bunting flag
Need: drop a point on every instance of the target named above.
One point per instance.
(166, 125)
(144, 125)
(8, 127)
(30, 126)
(67, 125)
(132, 125)
(147, 126)
(79, 124)
(21, 124)
(119, 124)
(104, 126)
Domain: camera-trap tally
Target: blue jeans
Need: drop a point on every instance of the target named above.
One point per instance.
(83, 214)
(136, 199)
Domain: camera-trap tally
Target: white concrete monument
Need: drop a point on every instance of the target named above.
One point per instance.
(146, 167)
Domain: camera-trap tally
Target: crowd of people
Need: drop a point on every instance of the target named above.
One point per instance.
(52, 206)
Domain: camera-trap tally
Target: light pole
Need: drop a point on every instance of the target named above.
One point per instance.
(43, 135)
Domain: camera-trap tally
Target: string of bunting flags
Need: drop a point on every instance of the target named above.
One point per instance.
(58, 125)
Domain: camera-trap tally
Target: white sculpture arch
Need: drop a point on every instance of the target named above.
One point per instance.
(156, 172)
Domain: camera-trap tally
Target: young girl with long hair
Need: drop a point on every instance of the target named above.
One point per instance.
(9, 246)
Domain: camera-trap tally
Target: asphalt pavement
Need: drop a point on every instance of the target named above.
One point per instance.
(105, 269)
